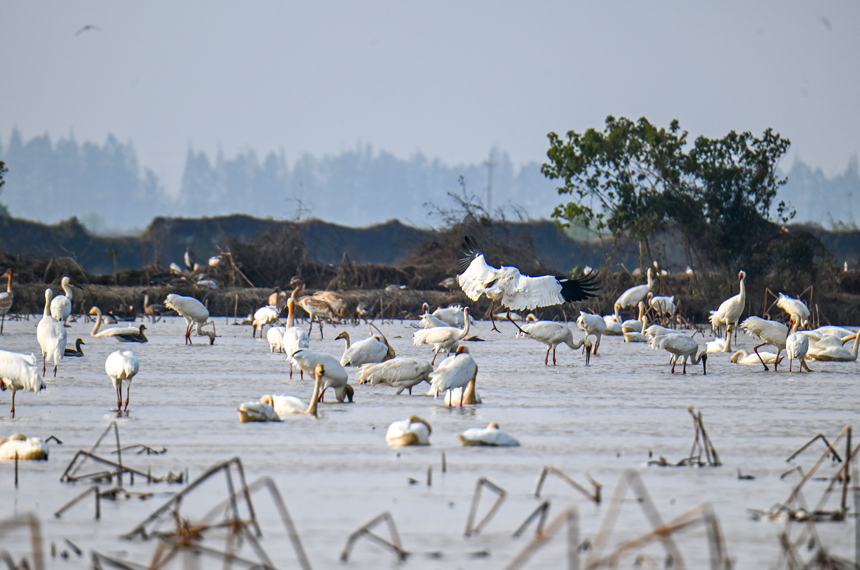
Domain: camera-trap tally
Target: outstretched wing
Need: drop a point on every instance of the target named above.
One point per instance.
(579, 289)
(474, 270)
(526, 292)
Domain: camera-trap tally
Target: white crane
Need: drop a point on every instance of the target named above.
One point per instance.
(61, 305)
(457, 372)
(335, 375)
(370, 350)
(795, 308)
(294, 337)
(264, 316)
(428, 321)
(681, 346)
(6, 299)
(592, 325)
(51, 335)
(771, 332)
(411, 431)
(796, 346)
(19, 372)
(112, 331)
(274, 408)
(553, 334)
(489, 436)
(442, 338)
(452, 316)
(632, 296)
(664, 307)
(122, 365)
(730, 311)
(195, 313)
(403, 373)
(513, 290)
(275, 337)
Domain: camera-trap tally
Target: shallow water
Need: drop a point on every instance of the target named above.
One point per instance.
(336, 472)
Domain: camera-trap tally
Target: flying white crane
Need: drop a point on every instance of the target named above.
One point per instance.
(61, 305)
(194, 312)
(122, 365)
(51, 335)
(681, 346)
(19, 372)
(632, 296)
(730, 311)
(513, 290)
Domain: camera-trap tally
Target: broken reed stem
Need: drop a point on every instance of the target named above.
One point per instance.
(820, 436)
(94, 489)
(393, 545)
(569, 516)
(547, 469)
(476, 498)
(542, 511)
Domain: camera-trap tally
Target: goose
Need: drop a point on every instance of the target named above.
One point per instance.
(632, 296)
(273, 408)
(552, 334)
(796, 346)
(316, 308)
(403, 373)
(592, 325)
(369, 350)
(122, 365)
(457, 372)
(771, 332)
(194, 312)
(137, 336)
(264, 316)
(489, 436)
(442, 338)
(113, 331)
(6, 298)
(18, 446)
(730, 311)
(744, 357)
(77, 351)
(795, 308)
(51, 335)
(513, 290)
(294, 337)
(840, 353)
(61, 305)
(275, 337)
(428, 321)
(335, 375)
(681, 346)
(411, 431)
(19, 372)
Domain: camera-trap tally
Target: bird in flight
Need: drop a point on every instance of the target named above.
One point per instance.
(87, 27)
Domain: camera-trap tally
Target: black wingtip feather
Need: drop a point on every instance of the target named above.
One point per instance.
(469, 250)
(579, 289)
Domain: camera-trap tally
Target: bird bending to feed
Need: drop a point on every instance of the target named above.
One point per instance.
(442, 338)
(513, 290)
(632, 296)
(51, 335)
(730, 311)
(369, 350)
(552, 334)
(275, 337)
(839, 353)
(273, 408)
(6, 299)
(113, 331)
(771, 332)
(194, 312)
(664, 307)
(403, 373)
(61, 305)
(411, 431)
(19, 372)
(18, 446)
(77, 351)
(744, 357)
(489, 436)
(316, 308)
(122, 365)
(681, 346)
(795, 308)
(796, 346)
(335, 375)
(457, 372)
(264, 316)
(137, 336)
(592, 325)
(294, 337)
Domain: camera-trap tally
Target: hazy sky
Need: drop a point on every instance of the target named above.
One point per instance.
(448, 79)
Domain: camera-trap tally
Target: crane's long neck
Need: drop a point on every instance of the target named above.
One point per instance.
(9, 282)
(291, 313)
(743, 293)
(650, 278)
(98, 321)
(312, 407)
(465, 326)
(48, 296)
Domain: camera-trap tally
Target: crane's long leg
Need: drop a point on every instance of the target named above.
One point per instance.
(55, 369)
(546, 358)
(13, 403)
(776, 360)
(684, 371)
(803, 365)
(127, 395)
(311, 328)
(553, 354)
(515, 324)
(2, 322)
(755, 349)
(673, 365)
(435, 352)
(119, 395)
(44, 363)
(493, 320)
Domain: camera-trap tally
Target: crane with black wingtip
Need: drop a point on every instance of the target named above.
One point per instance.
(513, 290)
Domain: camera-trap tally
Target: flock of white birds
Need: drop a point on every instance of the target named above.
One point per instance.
(445, 330)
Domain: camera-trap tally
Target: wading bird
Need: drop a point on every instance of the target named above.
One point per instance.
(403, 373)
(771, 332)
(592, 325)
(553, 334)
(839, 353)
(51, 335)
(335, 375)
(6, 299)
(316, 308)
(154, 312)
(513, 290)
(632, 296)
(61, 305)
(730, 311)
(122, 365)
(796, 346)
(369, 350)
(194, 312)
(681, 346)
(294, 337)
(795, 308)
(19, 372)
(429, 321)
(273, 408)
(264, 316)
(442, 338)
(457, 372)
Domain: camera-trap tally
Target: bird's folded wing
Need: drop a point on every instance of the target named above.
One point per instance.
(530, 292)
(476, 275)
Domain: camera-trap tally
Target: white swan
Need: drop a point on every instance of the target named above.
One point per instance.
(113, 331)
(335, 375)
(369, 350)
(744, 357)
(275, 337)
(840, 353)
(273, 408)
(21, 447)
(457, 372)
(489, 436)
(61, 305)
(51, 335)
(411, 431)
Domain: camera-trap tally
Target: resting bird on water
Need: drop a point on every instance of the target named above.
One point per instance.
(513, 290)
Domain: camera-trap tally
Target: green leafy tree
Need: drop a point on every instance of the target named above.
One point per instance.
(635, 179)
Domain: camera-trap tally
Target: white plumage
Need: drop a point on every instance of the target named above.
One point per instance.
(744, 357)
(19, 372)
(442, 338)
(112, 331)
(663, 306)
(489, 436)
(681, 346)
(61, 305)
(456, 372)
(771, 332)
(194, 312)
(273, 408)
(122, 365)
(613, 326)
(51, 335)
(264, 316)
(403, 373)
(632, 296)
(294, 337)
(368, 350)
(275, 337)
(795, 308)
(335, 375)
(551, 334)
(592, 324)
(451, 316)
(730, 311)
(6, 298)
(796, 346)
(411, 431)
(839, 353)
(429, 321)
(21, 447)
